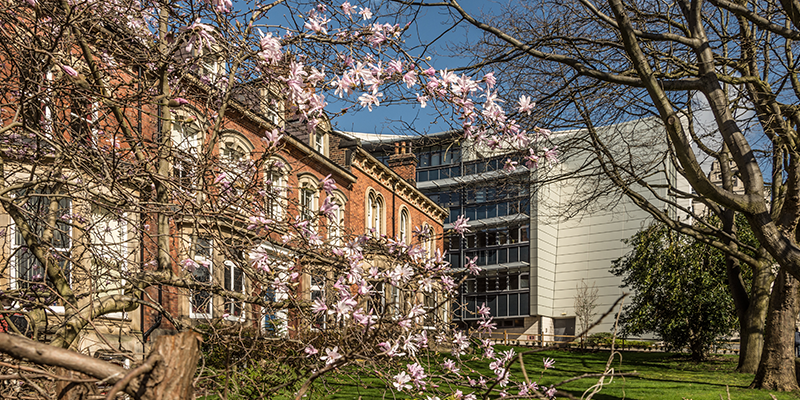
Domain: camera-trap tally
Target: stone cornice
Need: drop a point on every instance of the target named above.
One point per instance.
(368, 164)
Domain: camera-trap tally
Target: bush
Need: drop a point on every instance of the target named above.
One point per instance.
(599, 339)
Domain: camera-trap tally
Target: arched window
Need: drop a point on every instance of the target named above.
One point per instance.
(404, 225)
(235, 156)
(234, 151)
(309, 198)
(187, 144)
(336, 220)
(275, 184)
(429, 242)
(375, 210)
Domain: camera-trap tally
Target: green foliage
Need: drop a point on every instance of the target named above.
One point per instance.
(680, 291)
(603, 339)
(599, 339)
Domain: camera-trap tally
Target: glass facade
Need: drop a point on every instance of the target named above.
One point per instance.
(500, 246)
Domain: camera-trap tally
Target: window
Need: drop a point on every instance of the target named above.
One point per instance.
(201, 300)
(308, 201)
(317, 291)
(430, 310)
(319, 142)
(375, 213)
(404, 224)
(430, 242)
(27, 269)
(235, 152)
(186, 144)
(274, 320)
(275, 182)
(234, 282)
(336, 221)
(108, 237)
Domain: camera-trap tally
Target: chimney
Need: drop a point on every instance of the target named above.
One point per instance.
(403, 162)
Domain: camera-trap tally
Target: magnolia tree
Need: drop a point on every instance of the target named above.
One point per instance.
(113, 206)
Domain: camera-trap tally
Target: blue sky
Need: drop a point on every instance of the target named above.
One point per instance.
(430, 23)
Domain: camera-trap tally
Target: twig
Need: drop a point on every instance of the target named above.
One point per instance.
(524, 373)
(145, 367)
(36, 387)
(575, 378)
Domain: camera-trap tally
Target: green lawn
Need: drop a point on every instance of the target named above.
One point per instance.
(661, 376)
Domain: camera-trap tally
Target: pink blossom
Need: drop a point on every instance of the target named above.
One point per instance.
(423, 100)
(272, 137)
(69, 70)
(328, 207)
(490, 80)
(450, 366)
(270, 48)
(472, 266)
(328, 184)
(310, 350)
(510, 165)
(189, 265)
(319, 306)
(366, 14)
(223, 6)
(525, 104)
(429, 72)
(347, 8)
(461, 226)
(548, 362)
(368, 100)
(332, 355)
(401, 381)
(410, 79)
(317, 24)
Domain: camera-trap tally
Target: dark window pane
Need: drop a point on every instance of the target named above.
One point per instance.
(502, 305)
(481, 239)
(481, 285)
(502, 256)
(454, 242)
(455, 172)
(523, 234)
(491, 284)
(436, 158)
(455, 260)
(422, 176)
(523, 303)
(481, 213)
(470, 242)
(482, 258)
(471, 213)
(492, 257)
(424, 159)
(491, 302)
(470, 169)
(513, 256)
(524, 281)
(513, 304)
(502, 209)
(471, 307)
(513, 282)
(491, 211)
(491, 238)
(524, 254)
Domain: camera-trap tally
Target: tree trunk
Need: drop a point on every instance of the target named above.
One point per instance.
(752, 320)
(166, 374)
(776, 371)
(172, 377)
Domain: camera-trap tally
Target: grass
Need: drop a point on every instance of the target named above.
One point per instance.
(660, 376)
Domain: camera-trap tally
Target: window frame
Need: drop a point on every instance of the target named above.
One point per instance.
(207, 262)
